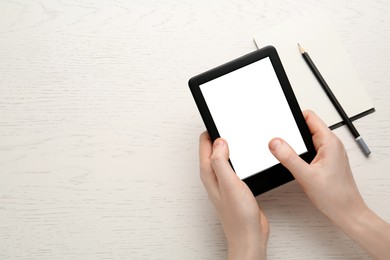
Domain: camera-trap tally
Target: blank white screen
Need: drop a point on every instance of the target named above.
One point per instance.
(249, 108)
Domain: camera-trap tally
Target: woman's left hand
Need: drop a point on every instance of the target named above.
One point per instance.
(244, 223)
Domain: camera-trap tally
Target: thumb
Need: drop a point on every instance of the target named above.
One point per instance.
(287, 157)
(220, 163)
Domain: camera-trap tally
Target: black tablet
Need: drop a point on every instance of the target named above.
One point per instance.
(249, 101)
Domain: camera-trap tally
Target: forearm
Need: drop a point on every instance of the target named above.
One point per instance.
(369, 231)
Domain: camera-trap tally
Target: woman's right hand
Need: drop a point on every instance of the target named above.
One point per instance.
(327, 180)
(329, 184)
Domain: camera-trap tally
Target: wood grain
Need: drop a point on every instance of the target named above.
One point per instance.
(99, 133)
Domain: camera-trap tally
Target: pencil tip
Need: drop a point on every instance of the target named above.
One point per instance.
(301, 48)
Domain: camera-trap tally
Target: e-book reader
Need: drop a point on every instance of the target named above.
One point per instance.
(249, 101)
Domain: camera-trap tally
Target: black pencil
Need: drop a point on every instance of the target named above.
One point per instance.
(335, 102)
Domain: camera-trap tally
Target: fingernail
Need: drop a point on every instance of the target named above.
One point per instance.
(219, 142)
(275, 144)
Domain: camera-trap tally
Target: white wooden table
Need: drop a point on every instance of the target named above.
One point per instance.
(99, 132)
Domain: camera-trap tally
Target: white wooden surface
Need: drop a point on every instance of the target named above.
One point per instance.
(99, 132)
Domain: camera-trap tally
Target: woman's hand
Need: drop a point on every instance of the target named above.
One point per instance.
(244, 223)
(328, 179)
(329, 184)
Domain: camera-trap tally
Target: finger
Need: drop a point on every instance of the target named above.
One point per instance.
(319, 130)
(264, 224)
(205, 147)
(315, 124)
(220, 163)
(207, 174)
(288, 157)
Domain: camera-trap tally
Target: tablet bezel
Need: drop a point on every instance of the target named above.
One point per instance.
(276, 175)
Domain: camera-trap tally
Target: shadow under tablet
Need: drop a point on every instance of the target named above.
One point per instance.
(249, 101)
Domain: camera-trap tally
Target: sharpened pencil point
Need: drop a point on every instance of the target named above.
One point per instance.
(301, 49)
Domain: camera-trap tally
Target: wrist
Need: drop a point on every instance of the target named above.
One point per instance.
(369, 231)
(350, 215)
(247, 250)
(246, 253)
(353, 220)
(345, 208)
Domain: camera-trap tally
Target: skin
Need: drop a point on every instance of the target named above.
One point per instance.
(244, 223)
(327, 181)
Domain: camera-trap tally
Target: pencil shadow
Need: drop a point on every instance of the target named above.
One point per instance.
(296, 224)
